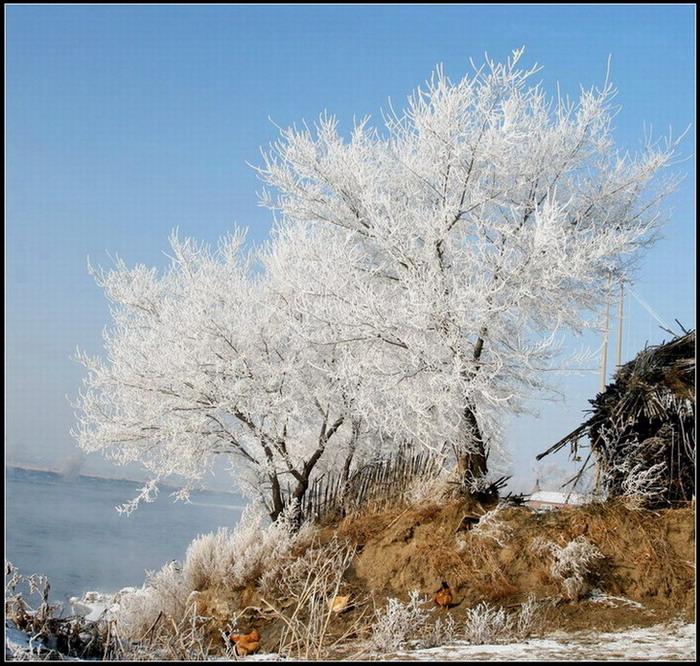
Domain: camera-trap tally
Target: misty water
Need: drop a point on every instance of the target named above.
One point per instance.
(69, 530)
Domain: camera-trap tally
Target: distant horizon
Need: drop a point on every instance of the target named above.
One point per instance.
(31, 467)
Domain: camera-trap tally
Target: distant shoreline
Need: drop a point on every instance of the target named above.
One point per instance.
(36, 468)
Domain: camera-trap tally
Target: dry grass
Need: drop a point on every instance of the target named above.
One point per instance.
(648, 555)
(302, 597)
(359, 529)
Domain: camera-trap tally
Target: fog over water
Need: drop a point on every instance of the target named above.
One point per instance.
(68, 529)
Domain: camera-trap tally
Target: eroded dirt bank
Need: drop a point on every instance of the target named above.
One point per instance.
(589, 569)
(647, 557)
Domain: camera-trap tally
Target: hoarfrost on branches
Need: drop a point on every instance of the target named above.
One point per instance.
(630, 465)
(396, 624)
(641, 482)
(570, 563)
(203, 362)
(492, 526)
(457, 244)
(416, 288)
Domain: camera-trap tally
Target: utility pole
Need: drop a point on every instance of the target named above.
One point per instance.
(604, 352)
(618, 355)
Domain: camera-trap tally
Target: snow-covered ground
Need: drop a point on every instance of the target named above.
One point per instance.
(16, 641)
(667, 642)
(93, 605)
(674, 642)
(663, 642)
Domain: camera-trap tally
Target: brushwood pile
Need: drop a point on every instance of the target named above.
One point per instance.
(642, 427)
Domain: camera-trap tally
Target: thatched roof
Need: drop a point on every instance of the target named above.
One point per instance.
(642, 427)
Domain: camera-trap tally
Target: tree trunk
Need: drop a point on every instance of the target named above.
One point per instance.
(344, 486)
(277, 501)
(471, 463)
(302, 477)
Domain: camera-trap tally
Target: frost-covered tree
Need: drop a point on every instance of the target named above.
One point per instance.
(204, 360)
(414, 290)
(456, 244)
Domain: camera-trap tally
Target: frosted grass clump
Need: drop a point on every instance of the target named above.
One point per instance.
(242, 556)
(164, 592)
(570, 563)
(398, 623)
(487, 625)
(492, 526)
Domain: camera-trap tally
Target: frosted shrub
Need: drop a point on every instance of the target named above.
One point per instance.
(240, 557)
(163, 592)
(230, 559)
(528, 618)
(492, 526)
(486, 624)
(442, 632)
(168, 584)
(570, 564)
(395, 625)
(203, 557)
(630, 474)
(136, 611)
(256, 549)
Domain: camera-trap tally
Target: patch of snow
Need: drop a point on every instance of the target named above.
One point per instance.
(94, 605)
(669, 642)
(15, 640)
(21, 646)
(600, 597)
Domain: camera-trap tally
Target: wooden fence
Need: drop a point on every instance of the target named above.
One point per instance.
(376, 484)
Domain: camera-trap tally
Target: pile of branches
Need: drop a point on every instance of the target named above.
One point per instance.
(642, 428)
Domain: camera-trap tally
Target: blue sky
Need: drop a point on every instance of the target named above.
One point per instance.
(123, 122)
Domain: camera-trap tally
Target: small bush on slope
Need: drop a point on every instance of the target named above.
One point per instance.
(570, 564)
(399, 622)
(486, 624)
(240, 557)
